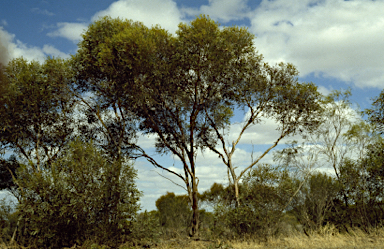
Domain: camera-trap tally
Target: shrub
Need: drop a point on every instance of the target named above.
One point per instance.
(83, 195)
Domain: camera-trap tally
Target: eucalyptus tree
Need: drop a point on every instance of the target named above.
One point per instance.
(339, 143)
(37, 110)
(174, 86)
(36, 122)
(269, 92)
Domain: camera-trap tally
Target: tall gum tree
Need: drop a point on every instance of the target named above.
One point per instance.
(37, 111)
(183, 88)
(272, 92)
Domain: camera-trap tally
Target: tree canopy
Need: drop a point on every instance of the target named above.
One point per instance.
(184, 88)
(37, 110)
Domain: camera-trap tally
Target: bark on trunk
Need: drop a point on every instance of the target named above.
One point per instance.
(195, 211)
(236, 183)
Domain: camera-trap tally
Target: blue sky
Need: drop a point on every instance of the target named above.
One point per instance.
(335, 44)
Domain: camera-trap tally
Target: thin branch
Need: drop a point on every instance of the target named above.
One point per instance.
(14, 178)
(171, 180)
(297, 191)
(260, 157)
(153, 162)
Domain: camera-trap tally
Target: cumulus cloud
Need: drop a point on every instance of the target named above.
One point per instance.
(221, 10)
(150, 12)
(325, 91)
(30, 53)
(11, 48)
(70, 31)
(5, 41)
(54, 52)
(209, 169)
(155, 182)
(339, 39)
(8, 197)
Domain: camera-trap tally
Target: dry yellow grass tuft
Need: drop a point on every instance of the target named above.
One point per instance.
(8, 245)
(326, 238)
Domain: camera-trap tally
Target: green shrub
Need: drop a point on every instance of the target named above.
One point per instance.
(264, 194)
(83, 195)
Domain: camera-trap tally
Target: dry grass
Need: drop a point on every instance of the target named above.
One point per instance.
(326, 238)
(8, 245)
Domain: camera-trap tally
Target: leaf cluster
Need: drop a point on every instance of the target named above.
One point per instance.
(84, 195)
(37, 110)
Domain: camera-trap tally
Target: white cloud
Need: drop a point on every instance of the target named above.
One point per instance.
(221, 10)
(150, 12)
(323, 90)
(70, 31)
(9, 49)
(5, 42)
(339, 39)
(153, 185)
(336, 39)
(20, 49)
(146, 141)
(52, 51)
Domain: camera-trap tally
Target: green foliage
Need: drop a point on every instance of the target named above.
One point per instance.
(174, 216)
(8, 219)
(83, 195)
(4, 88)
(314, 204)
(170, 83)
(363, 182)
(7, 172)
(376, 113)
(264, 194)
(174, 212)
(146, 229)
(36, 114)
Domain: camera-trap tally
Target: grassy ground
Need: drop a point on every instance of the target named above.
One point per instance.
(297, 242)
(325, 239)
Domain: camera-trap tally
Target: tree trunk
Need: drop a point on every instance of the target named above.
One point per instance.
(236, 184)
(195, 210)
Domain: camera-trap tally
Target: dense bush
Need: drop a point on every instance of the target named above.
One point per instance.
(174, 210)
(312, 206)
(264, 194)
(8, 219)
(84, 195)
